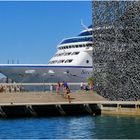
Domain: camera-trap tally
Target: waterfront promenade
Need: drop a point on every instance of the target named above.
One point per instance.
(27, 104)
(48, 97)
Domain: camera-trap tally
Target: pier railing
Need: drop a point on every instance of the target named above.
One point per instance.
(44, 87)
(37, 84)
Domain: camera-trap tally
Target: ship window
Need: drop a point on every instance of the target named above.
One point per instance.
(61, 54)
(68, 53)
(84, 45)
(88, 45)
(86, 33)
(70, 46)
(80, 46)
(52, 62)
(77, 39)
(68, 61)
(60, 61)
(75, 53)
(87, 61)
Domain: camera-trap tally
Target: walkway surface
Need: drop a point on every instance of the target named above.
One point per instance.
(48, 98)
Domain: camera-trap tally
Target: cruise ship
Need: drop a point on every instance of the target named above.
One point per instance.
(72, 63)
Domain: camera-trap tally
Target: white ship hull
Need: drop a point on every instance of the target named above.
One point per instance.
(46, 73)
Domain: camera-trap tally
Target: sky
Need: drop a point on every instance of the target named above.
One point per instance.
(30, 31)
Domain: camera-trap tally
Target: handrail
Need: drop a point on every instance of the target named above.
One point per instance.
(37, 84)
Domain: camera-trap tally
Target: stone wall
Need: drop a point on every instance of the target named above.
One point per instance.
(116, 53)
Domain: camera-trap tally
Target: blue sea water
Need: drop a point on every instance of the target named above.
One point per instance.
(80, 127)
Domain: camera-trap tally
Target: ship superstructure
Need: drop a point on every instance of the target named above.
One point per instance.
(72, 63)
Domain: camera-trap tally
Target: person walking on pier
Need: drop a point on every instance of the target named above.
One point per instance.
(58, 87)
(51, 88)
(63, 88)
(82, 85)
(68, 94)
(64, 85)
(66, 91)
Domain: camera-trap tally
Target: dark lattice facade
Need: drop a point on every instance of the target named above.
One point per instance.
(116, 49)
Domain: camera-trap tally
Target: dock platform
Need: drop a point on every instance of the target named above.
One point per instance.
(28, 104)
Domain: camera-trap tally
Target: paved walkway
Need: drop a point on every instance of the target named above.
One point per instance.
(44, 97)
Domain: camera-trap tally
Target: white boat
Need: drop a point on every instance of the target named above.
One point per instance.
(72, 63)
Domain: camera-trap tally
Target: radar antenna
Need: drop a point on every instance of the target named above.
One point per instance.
(84, 25)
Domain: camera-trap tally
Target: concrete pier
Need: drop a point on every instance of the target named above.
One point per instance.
(37, 104)
(27, 104)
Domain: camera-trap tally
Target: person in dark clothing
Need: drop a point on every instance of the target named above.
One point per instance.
(68, 94)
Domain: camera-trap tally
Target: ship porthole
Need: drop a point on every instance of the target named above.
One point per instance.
(67, 71)
(87, 61)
